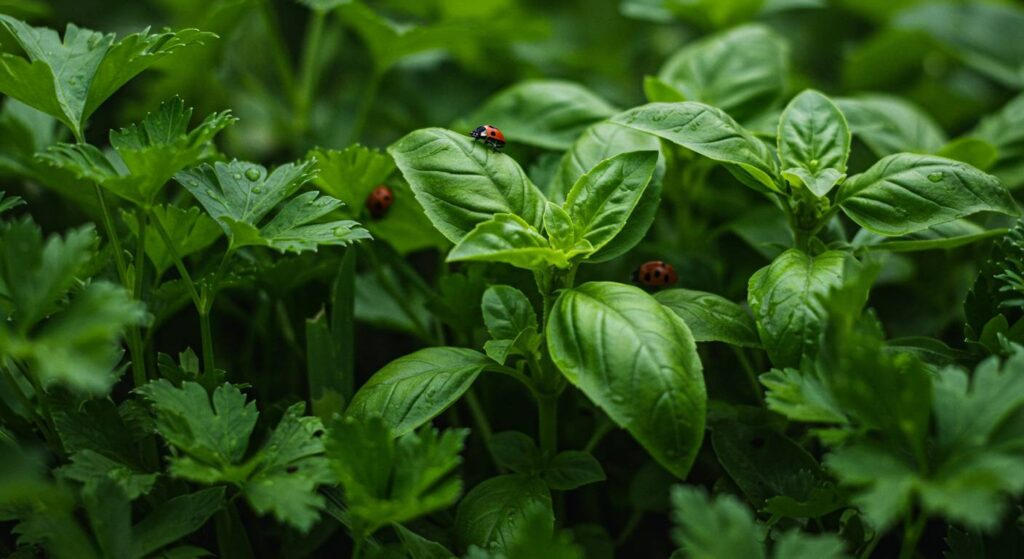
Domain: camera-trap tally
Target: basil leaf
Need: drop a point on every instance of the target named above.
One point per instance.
(507, 238)
(708, 131)
(507, 312)
(785, 299)
(814, 142)
(904, 193)
(602, 200)
(602, 141)
(944, 236)
(412, 390)
(572, 469)
(741, 71)
(711, 318)
(461, 183)
(548, 114)
(889, 125)
(635, 360)
(492, 512)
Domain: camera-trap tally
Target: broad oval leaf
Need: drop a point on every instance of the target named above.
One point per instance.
(461, 183)
(603, 141)
(742, 70)
(904, 193)
(507, 238)
(638, 362)
(711, 318)
(412, 390)
(492, 513)
(785, 297)
(708, 131)
(889, 125)
(544, 113)
(603, 199)
(814, 142)
(507, 312)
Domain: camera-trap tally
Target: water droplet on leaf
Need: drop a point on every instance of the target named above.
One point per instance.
(252, 174)
(935, 177)
(237, 176)
(257, 189)
(340, 231)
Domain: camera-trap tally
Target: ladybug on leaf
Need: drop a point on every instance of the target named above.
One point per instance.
(491, 136)
(655, 274)
(379, 201)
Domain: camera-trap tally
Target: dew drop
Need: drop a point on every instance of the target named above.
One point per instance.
(814, 163)
(340, 231)
(935, 177)
(237, 176)
(252, 174)
(210, 193)
(257, 189)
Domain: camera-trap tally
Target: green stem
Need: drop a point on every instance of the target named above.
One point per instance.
(278, 51)
(603, 428)
(630, 527)
(307, 73)
(207, 298)
(47, 415)
(209, 365)
(108, 225)
(138, 357)
(866, 554)
(547, 407)
(27, 403)
(741, 356)
(479, 417)
(179, 264)
(357, 547)
(912, 529)
(365, 105)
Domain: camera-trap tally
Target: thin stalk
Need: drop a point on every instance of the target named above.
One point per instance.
(602, 429)
(741, 356)
(912, 530)
(479, 417)
(27, 403)
(357, 548)
(206, 305)
(866, 554)
(138, 358)
(178, 263)
(365, 105)
(307, 73)
(108, 225)
(631, 524)
(278, 51)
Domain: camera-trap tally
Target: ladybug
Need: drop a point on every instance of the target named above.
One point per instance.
(491, 136)
(655, 274)
(379, 201)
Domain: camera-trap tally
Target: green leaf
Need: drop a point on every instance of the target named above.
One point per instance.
(461, 183)
(784, 297)
(711, 318)
(710, 132)
(148, 154)
(801, 396)
(512, 323)
(214, 433)
(718, 527)
(571, 469)
(742, 71)
(814, 142)
(797, 545)
(412, 390)
(602, 200)
(175, 519)
(515, 451)
(509, 239)
(240, 195)
(972, 151)
(602, 141)
(352, 173)
(288, 470)
(889, 125)
(212, 437)
(635, 360)
(418, 547)
(548, 114)
(69, 79)
(1004, 130)
(10, 202)
(559, 228)
(190, 231)
(92, 469)
(948, 235)
(493, 512)
(904, 193)
(388, 480)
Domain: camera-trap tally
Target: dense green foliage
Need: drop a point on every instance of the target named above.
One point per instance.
(211, 343)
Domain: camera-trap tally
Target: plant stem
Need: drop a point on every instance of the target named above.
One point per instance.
(634, 520)
(278, 51)
(39, 421)
(547, 406)
(603, 428)
(479, 417)
(138, 357)
(741, 356)
(357, 548)
(47, 415)
(912, 529)
(365, 105)
(179, 264)
(307, 73)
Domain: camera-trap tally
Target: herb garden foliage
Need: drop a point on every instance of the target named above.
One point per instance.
(204, 354)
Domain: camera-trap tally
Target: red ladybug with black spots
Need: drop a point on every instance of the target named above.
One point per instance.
(379, 201)
(655, 274)
(491, 136)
